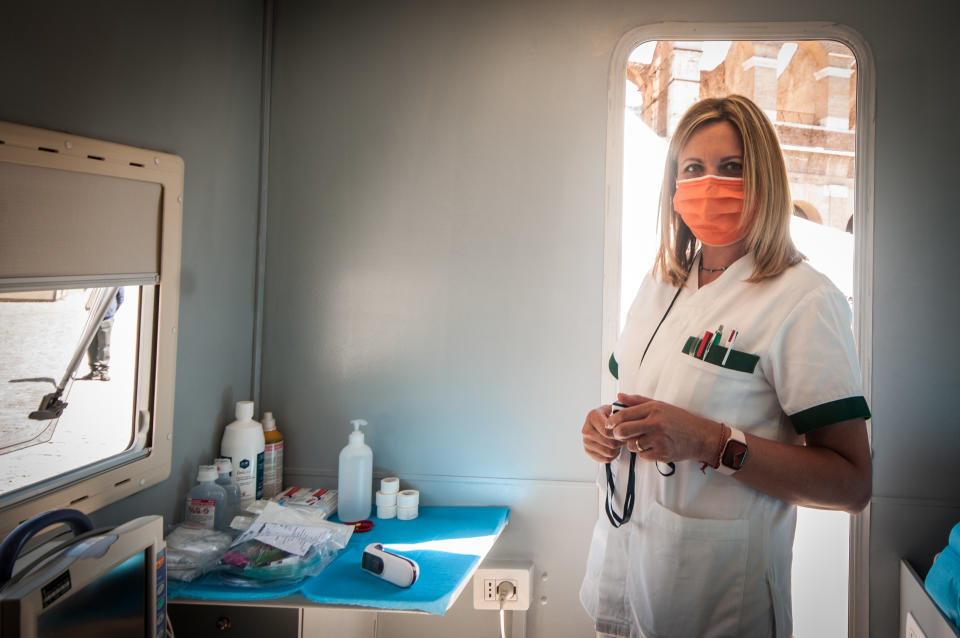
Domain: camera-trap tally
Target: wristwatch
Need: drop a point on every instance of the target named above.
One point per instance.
(734, 453)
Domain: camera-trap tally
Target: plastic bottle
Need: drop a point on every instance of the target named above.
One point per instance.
(224, 468)
(272, 457)
(355, 484)
(206, 501)
(243, 444)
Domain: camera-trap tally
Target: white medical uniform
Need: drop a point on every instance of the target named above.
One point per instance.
(704, 555)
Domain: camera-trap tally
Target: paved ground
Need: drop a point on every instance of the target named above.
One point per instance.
(37, 341)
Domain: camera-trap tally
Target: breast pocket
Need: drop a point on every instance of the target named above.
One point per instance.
(736, 398)
(686, 575)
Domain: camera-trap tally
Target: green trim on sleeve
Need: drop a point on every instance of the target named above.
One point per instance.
(614, 366)
(829, 413)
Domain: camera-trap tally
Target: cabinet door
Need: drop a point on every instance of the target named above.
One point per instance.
(224, 621)
(320, 622)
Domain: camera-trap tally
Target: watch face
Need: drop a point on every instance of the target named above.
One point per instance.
(734, 454)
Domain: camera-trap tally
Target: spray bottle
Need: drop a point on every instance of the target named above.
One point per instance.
(243, 444)
(355, 484)
(272, 457)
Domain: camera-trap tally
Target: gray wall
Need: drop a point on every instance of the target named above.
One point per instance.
(181, 77)
(435, 247)
(435, 241)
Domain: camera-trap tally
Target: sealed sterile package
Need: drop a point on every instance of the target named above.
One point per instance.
(318, 499)
(283, 544)
(193, 550)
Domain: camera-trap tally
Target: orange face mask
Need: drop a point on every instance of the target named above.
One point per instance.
(712, 207)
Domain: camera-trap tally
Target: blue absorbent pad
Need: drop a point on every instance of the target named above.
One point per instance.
(943, 579)
(446, 542)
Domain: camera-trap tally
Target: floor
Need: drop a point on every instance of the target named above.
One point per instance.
(37, 342)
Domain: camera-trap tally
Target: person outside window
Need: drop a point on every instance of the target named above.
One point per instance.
(98, 353)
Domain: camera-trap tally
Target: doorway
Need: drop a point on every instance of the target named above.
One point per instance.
(809, 89)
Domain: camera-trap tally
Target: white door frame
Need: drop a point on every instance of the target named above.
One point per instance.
(859, 611)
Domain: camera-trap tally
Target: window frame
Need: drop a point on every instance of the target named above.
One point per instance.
(858, 612)
(94, 486)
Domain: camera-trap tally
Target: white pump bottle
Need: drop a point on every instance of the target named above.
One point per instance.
(355, 484)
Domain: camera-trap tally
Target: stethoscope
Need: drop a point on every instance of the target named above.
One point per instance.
(619, 519)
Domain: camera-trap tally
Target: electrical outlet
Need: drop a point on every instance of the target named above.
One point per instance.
(913, 628)
(489, 577)
(491, 589)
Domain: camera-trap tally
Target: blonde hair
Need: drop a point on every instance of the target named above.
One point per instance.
(765, 186)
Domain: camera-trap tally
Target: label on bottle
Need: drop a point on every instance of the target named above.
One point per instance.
(272, 469)
(260, 475)
(201, 511)
(249, 478)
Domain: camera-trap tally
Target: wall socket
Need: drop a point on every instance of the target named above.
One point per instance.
(489, 576)
(913, 629)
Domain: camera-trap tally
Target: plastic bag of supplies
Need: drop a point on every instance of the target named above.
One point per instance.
(283, 544)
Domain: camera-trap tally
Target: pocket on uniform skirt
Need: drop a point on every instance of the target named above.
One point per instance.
(686, 575)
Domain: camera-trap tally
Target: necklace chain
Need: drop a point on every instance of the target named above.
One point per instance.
(712, 270)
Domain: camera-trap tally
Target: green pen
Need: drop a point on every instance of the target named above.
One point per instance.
(716, 340)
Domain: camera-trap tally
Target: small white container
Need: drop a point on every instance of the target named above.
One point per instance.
(390, 485)
(407, 513)
(389, 500)
(386, 511)
(408, 498)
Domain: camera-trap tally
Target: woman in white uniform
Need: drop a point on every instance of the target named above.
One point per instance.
(740, 398)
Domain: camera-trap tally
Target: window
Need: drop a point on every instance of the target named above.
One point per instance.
(815, 83)
(89, 283)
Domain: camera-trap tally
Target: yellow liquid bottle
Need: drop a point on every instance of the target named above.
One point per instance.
(272, 457)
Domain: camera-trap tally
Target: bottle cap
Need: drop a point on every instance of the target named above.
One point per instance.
(207, 473)
(244, 410)
(268, 422)
(224, 466)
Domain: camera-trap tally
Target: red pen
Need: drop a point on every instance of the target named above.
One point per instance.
(703, 343)
(730, 342)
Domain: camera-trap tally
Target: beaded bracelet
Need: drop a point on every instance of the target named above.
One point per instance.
(723, 437)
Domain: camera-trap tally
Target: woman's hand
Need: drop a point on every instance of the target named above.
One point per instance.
(662, 432)
(598, 440)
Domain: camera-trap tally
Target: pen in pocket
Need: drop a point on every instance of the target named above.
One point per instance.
(713, 342)
(703, 344)
(730, 343)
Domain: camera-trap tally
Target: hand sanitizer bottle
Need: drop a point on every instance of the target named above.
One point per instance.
(355, 485)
